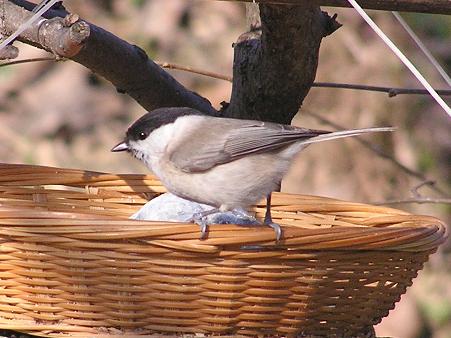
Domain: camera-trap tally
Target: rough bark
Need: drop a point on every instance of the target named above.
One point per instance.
(125, 65)
(274, 68)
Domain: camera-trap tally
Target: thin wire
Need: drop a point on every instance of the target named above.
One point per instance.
(401, 56)
(27, 23)
(423, 48)
(39, 6)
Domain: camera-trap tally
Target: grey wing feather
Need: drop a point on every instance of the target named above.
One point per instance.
(264, 137)
(220, 141)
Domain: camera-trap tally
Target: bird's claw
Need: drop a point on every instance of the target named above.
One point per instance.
(277, 229)
(203, 229)
(200, 219)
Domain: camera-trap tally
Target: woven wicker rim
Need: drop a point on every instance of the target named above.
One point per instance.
(99, 210)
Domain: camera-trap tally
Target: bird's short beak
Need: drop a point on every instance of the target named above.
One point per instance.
(120, 147)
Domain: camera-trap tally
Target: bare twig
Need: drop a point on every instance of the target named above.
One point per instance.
(162, 64)
(419, 200)
(193, 70)
(414, 191)
(390, 90)
(417, 197)
(421, 6)
(16, 62)
(381, 153)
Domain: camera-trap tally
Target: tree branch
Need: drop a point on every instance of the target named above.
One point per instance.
(18, 62)
(274, 69)
(420, 6)
(414, 191)
(418, 200)
(190, 69)
(417, 197)
(391, 91)
(128, 66)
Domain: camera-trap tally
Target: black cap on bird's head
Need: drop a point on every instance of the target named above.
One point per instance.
(150, 121)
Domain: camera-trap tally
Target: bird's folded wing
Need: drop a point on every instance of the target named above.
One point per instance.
(219, 141)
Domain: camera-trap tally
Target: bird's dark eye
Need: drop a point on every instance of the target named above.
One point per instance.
(142, 135)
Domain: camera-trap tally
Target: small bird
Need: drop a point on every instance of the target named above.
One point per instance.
(223, 162)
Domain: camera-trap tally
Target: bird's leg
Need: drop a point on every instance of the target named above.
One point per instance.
(268, 219)
(199, 219)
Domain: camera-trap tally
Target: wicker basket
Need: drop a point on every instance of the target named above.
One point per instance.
(73, 264)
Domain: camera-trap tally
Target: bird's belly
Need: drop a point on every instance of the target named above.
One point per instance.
(226, 186)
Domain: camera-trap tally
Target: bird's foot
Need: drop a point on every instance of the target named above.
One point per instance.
(268, 219)
(236, 216)
(277, 229)
(200, 218)
(203, 228)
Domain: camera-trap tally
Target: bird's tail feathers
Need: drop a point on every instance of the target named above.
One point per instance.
(346, 133)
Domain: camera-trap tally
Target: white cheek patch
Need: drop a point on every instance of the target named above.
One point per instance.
(154, 145)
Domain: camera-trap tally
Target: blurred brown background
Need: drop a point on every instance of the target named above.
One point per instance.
(61, 114)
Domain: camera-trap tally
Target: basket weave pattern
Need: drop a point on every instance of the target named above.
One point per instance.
(72, 263)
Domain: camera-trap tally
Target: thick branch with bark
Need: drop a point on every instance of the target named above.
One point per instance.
(272, 74)
(419, 6)
(274, 70)
(126, 66)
